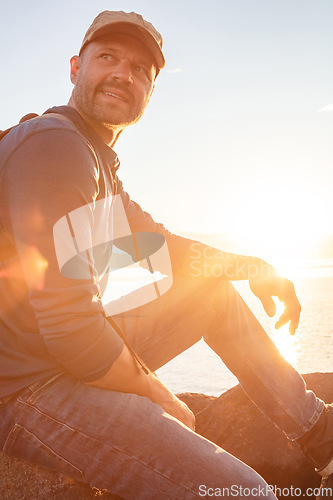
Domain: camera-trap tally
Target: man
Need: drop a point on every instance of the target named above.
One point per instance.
(77, 381)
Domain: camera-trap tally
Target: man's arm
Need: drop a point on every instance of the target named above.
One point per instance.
(195, 259)
(126, 375)
(188, 257)
(50, 181)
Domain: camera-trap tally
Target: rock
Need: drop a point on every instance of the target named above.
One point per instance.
(24, 481)
(231, 421)
(234, 423)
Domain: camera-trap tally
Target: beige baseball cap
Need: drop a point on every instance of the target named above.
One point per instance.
(127, 22)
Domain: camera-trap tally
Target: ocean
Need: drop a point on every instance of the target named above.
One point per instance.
(200, 370)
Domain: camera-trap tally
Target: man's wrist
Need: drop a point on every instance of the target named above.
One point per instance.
(259, 269)
(159, 392)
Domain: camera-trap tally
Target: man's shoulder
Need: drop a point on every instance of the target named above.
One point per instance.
(50, 129)
(44, 123)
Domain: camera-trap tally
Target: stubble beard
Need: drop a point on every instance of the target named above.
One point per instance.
(87, 102)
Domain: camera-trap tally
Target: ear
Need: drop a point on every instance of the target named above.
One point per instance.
(75, 63)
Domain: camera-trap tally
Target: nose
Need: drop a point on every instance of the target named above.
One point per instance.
(122, 71)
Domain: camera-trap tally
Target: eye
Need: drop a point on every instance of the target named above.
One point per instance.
(142, 70)
(106, 56)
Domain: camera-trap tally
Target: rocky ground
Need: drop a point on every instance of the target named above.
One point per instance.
(231, 421)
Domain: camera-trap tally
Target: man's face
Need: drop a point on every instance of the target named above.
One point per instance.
(113, 81)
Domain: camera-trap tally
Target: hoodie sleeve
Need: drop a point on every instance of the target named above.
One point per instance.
(181, 250)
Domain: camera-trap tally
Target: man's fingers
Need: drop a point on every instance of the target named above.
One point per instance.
(283, 320)
(269, 305)
(294, 325)
(292, 308)
(284, 289)
(287, 316)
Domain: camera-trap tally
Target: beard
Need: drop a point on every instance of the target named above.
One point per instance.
(89, 101)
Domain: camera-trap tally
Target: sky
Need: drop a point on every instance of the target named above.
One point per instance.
(237, 137)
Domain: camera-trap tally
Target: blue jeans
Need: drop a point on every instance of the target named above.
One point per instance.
(129, 445)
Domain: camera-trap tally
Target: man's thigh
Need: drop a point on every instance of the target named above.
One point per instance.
(121, 442)
(162, 329)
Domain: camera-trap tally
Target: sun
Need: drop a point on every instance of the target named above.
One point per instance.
(280, 220)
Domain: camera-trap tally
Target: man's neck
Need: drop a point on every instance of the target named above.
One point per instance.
(108, 135)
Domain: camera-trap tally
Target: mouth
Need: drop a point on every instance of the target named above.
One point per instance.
(115, 96)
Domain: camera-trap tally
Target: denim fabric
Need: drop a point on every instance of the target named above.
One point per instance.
(211, 308)
(129, 445)
(121, 442)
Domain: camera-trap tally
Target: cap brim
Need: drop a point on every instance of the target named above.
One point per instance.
(135, 31)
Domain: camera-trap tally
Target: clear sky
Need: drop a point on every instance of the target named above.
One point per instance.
(238, 135)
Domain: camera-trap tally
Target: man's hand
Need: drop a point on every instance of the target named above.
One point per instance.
(283, 289)
(125, 375)
(178, 409)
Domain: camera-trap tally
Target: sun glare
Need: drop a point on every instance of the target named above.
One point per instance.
(288, 345)
(280, 220)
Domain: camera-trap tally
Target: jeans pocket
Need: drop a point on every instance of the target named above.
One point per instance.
(25, 445)
(33, 390)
